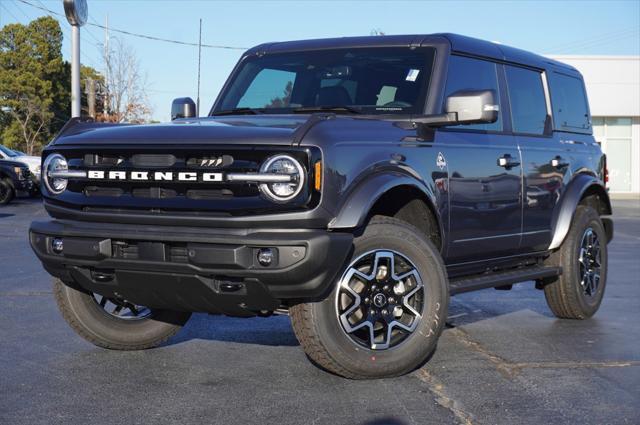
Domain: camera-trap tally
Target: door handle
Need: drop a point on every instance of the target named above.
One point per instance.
(507, 161)
(558, 162)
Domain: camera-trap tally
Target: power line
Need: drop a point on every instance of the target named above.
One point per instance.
(596, 40)
(132, 34)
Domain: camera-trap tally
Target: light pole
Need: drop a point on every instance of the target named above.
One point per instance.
(77, 13)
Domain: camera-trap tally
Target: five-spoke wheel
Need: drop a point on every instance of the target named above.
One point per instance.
(590, 262)
(380, 299)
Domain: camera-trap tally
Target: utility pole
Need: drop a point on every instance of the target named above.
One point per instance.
(91, 97)
(77, 13)
(199, 55)
(106, 104)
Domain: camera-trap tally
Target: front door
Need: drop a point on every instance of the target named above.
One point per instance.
(484, 169)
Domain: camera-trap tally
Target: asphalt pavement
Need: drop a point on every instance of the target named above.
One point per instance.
(503, 359)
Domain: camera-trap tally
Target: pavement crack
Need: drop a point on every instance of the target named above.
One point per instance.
(504, 366)
(511, 369)
(437, 388)
(25, 293)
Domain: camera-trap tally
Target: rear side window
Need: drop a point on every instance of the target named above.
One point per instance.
(569, 102)
(473, 74)
(528, 104)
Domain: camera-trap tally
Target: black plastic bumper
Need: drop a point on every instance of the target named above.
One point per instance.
(192, 269)
(25, 186)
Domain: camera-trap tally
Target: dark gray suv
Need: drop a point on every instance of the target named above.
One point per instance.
(355, 183)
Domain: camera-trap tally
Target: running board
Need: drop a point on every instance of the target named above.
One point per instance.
(492, 280)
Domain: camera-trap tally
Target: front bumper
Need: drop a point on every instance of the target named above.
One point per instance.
(25, 186)
(192, 269)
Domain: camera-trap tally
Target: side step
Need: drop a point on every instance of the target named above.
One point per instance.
(492, 280)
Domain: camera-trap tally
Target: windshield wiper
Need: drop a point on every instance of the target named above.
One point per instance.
(238, 111)
(308, 109)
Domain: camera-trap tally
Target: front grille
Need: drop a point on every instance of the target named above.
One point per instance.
(172, 194)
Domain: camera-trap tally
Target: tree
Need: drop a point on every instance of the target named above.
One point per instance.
(125, 86)
(31, 74)
(35, 84)
(282, 102)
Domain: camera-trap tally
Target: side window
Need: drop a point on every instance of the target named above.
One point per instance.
(271, 88)
(569, 103)
(473, 74)
(528, 105)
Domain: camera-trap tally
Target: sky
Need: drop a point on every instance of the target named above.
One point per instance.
(544, 27)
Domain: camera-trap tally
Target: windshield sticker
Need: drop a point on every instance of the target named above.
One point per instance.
(440, 161)
(412, 75)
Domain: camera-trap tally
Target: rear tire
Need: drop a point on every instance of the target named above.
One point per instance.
(578, 292)
(329, 333)
(6, 192)
(92, 322)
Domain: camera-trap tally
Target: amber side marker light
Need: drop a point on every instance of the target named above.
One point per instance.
(317, 176)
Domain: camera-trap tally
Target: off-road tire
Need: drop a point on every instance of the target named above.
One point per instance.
(92, 323)
(6, 191)
(565, 296)
(319, 331)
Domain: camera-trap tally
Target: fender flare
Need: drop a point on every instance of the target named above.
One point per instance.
(566, 208)
(355, 210)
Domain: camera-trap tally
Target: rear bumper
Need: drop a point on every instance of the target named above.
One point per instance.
(192, 269)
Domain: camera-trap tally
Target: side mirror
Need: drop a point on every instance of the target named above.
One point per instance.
(462, 107)
(183, 107)
(473, 106)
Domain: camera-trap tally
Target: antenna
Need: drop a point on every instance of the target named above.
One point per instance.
(199, 55)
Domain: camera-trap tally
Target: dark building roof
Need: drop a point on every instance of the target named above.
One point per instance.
(458, 43)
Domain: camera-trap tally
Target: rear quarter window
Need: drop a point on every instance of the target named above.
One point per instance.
(569, 103)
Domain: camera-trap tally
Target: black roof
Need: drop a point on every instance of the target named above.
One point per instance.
(458, 43)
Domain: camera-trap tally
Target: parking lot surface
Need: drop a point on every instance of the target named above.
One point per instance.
(503, 359)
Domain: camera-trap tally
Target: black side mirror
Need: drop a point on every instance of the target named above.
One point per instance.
(183, 107)
(473, 106)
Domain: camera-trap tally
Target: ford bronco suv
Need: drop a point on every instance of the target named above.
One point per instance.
(15, 179)
(355, 183)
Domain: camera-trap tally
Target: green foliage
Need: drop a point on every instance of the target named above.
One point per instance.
(35, 84)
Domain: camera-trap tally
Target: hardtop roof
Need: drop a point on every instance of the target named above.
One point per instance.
(459, 44)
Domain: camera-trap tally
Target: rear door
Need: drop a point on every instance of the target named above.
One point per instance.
(546, 161)
(485, 198)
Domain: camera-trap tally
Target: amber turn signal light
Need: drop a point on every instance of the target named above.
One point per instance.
(318, 176)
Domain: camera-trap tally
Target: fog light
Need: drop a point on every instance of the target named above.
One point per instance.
(265, 256)
(57, 245)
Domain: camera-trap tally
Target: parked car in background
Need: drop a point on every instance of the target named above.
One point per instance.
(15, 179)
(33, 162)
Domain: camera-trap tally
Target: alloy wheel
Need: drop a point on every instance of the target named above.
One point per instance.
(121, 309)
(590, 262)
(380, 299)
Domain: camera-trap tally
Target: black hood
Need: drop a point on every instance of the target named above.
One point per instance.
(245, 129)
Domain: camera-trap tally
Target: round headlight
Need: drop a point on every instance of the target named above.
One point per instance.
(53, 163)
(283, 191)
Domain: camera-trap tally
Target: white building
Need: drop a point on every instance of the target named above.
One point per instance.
(613, 87)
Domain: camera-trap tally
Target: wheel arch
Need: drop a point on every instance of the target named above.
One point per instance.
(394, 195)
(581, 187)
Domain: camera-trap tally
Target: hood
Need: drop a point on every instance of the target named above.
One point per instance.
(13, 162)
(31, 161)
(244, 129)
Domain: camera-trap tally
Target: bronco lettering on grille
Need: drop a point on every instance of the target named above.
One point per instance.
(186, 176)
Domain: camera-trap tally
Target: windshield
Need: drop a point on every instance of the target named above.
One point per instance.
(358, 80)
(8, 152)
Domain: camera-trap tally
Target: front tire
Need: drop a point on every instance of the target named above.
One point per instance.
(6, 191)
(386, 312)
(125, 327)
(578, 292)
